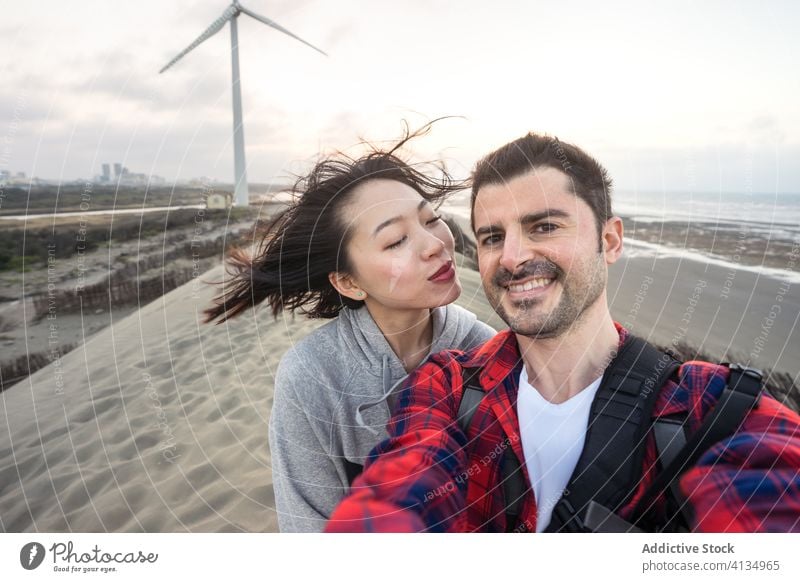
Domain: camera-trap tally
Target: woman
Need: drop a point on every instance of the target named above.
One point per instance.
(362, 245)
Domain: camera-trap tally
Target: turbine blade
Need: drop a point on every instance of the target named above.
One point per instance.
(277, 26)
(215, 27)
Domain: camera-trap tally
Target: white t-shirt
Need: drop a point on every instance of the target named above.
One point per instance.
(552, 440)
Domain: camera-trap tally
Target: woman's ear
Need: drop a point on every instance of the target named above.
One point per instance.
(345, 285)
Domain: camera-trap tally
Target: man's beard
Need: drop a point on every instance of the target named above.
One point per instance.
(580, 290)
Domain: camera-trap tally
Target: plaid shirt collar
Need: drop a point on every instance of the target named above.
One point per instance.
(500, 356)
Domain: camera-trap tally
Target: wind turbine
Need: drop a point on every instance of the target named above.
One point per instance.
(231, 14)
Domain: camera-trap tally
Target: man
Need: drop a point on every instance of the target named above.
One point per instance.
(541, 214)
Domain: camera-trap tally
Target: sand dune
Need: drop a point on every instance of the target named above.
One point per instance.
(157, 423)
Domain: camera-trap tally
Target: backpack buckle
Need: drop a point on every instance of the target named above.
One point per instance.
(749, 381)
(569, 517)
(754, 373)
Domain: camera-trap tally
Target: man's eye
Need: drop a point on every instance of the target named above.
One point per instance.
(394, 245)
(546, 227)
(490, 240)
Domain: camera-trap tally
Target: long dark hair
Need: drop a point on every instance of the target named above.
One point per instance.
(309, 239)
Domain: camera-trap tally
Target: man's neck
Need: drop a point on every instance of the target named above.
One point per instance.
(561, 367)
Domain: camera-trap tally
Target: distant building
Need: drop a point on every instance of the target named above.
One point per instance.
(4, 175)
(219, 201)
(124, 177)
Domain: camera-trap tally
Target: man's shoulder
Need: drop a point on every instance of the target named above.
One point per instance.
(696, 385)
(475, 357)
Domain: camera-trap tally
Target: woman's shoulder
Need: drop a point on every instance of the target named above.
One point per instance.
(310, 355)
(471, 330)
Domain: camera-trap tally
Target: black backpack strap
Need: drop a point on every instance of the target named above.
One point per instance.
(470, 398)
(671, 434)
(513, 486)
(670, 440)
(352, 470)
(597, 518)
(513, 479)
(739, 397)
(611, 461)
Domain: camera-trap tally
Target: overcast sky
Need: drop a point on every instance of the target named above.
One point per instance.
(676, 96)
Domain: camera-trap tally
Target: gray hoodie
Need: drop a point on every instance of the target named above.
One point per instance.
(333, 394)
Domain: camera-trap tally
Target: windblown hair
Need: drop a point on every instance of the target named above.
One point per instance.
(590, 180)
(309, 240)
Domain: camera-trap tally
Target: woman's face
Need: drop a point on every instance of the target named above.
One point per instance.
(400, 251)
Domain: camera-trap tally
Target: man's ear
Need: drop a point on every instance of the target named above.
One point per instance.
(345, 285)
(612, 239)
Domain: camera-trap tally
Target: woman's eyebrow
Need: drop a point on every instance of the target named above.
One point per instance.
(394, 219)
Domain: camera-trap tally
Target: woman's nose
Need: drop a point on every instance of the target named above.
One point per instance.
(434, 246)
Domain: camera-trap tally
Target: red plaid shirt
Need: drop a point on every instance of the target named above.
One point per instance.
(429, 476)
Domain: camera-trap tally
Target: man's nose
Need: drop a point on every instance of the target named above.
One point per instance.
(516, 251)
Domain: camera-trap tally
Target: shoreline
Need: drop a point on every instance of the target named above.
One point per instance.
(750, 246)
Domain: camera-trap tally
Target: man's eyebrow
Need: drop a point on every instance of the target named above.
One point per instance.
(394, 219)
(487, 230)
(549, 213)
(527, 219)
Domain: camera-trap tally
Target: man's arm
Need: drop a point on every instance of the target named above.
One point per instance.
(749, 482)
(409, 482)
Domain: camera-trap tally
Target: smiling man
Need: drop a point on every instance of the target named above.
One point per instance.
(565, 421)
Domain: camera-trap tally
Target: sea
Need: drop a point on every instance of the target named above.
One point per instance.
(774, 215)
(777, 213)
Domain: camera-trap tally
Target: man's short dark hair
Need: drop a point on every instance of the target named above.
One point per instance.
(590, 180)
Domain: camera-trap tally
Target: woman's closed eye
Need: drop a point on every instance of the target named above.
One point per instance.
(396, 244)
(434, 220)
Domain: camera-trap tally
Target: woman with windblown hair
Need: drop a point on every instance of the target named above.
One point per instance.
(364, 246)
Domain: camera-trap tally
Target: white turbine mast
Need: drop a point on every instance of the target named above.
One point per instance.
(232, 12)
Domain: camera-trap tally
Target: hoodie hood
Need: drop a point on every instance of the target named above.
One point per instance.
(322, 385)
(365, 342)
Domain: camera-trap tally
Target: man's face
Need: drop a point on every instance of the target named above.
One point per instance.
(538, 252)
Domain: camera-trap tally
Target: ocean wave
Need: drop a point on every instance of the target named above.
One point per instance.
(638, 249)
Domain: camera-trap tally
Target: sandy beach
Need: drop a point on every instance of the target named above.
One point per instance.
(158, 423)
(735, 315)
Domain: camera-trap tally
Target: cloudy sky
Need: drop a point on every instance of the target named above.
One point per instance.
(675, 96)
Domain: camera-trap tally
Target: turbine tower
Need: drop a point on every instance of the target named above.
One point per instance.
(231, 14)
